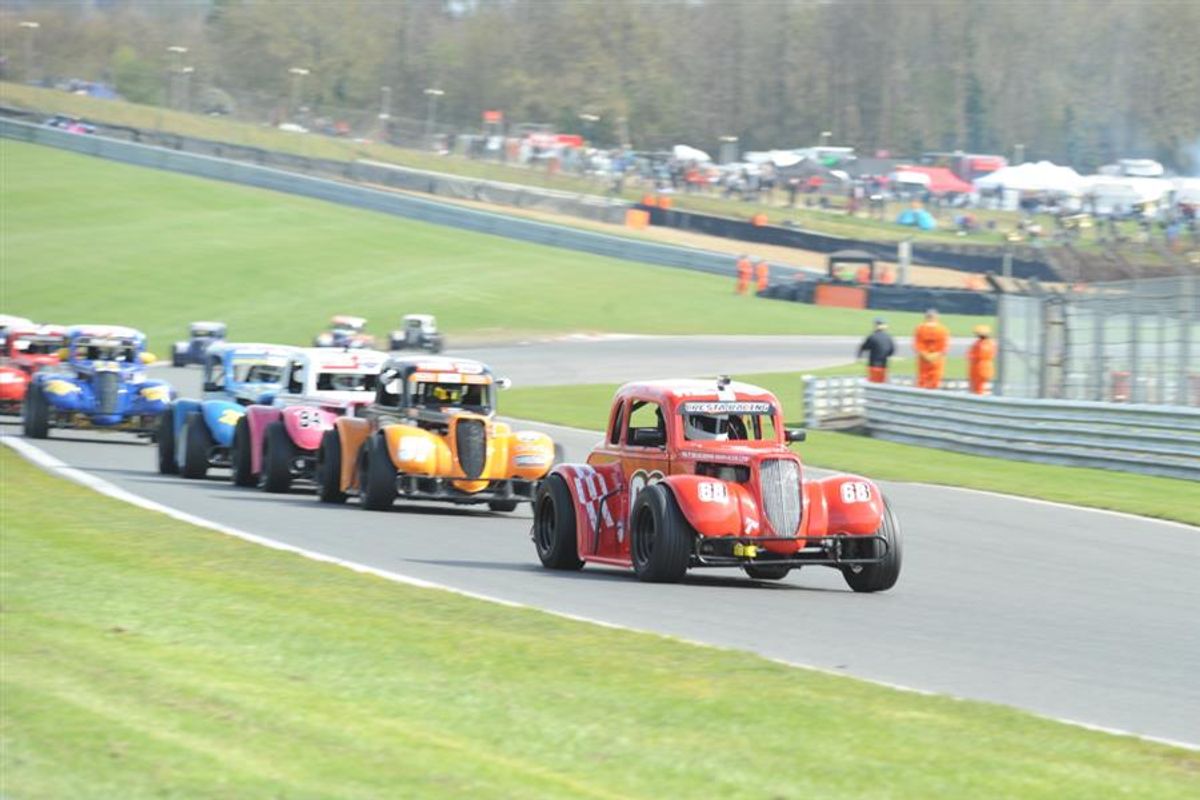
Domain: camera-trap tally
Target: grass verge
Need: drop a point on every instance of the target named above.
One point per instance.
(587, 407)
(88, 240)
(144, 657)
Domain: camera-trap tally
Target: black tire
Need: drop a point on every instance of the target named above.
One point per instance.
(36, 413)
(503, 506)
(239, 455)
(377, 476)
(164, 439)
(197, 444)
(436, 345)
(554, 526)
(661, 538)
(278, 452)
(768, 572)
(177, 358)
(882, 576)
(395, 344)
(560, 455)
(329, 468)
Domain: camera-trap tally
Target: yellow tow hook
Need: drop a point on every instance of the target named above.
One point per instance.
(745, 550)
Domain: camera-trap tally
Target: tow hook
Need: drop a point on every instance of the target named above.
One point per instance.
(745, 550)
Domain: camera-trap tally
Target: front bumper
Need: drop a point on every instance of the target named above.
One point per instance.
(414, 487)
(836, 550)
(144, 425)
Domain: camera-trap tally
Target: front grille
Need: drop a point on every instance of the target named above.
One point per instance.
(470, 437)
(107, 386)
(780, 480)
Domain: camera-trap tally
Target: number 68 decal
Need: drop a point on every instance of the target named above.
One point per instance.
(856, 492)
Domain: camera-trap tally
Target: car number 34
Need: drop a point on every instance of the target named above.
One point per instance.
(856, 492)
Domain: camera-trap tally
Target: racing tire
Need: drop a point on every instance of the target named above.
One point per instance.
(554, 526)
(661, 538)
(882, 576)
(177, 359)
(377, 477)
(503, 506)
(395, 344)
(36, 414)
(197, 444)
(436, 346)
(329, 468)
(164, 440)
(768, 572)
(241, 472)
(278, 452)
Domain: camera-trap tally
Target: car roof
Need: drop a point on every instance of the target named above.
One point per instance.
(252, 350)
(335, 359)
(109, 331)
(10, 321)
(442, 364)
(419, 317)
(345, 319)
(205, 323)
(674, 390)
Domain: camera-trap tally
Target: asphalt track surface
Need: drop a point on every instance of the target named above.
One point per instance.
(1071, 613)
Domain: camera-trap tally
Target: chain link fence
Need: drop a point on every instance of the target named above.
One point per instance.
(1122, 342)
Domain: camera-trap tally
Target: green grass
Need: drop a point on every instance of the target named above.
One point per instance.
(83, 239)
(587, 407)
(144, 657)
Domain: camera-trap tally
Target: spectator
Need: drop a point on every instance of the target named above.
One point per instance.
(879, 347)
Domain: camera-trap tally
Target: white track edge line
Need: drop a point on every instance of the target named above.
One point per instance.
(58, 467)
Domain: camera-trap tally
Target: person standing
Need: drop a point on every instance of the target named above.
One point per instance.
(762, 274)
(981, 360)
(743, 274)
(931, 340)
(878, 347)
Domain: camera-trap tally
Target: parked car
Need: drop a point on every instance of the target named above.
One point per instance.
(345, 331)
(431, 434)
(417, 332)
(103, 385)
(201, 336)
(23, 352)
(699, 474)
(196, 435)
(276, 445)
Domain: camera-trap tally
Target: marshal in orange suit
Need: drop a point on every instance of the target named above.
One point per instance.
(931, 340)
(981, 359)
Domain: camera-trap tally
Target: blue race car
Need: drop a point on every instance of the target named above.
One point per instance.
(201, 336)
(101, 384)
(196, 435)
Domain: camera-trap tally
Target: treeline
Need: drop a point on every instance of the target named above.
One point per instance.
(1080, 82)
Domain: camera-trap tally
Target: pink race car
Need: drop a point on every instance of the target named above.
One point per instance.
(276, 445)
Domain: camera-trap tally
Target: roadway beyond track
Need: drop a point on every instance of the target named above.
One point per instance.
(1084, 615)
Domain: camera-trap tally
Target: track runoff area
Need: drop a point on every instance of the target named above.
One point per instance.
(1021, 602)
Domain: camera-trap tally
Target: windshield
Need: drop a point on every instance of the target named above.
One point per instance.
(474, 396)
(100, 351)
(346, 382)
(37, 347)
(728, 421)
(258, 373)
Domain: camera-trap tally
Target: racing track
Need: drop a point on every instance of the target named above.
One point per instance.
(1071, 613)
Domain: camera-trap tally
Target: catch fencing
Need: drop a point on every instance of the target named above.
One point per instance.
(1146, 439)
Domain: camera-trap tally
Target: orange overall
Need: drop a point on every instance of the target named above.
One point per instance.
(743, 275)
(762, 274)
(931, 340)
(981, 359)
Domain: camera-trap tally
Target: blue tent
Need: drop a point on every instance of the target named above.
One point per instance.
(917, 218)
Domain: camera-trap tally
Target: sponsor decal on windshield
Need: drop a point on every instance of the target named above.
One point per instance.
(724, 407)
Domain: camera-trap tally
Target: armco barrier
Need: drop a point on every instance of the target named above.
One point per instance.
(387, 202)
(1153, 440)
(897, 298)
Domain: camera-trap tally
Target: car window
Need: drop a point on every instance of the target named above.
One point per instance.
(216, 372)
(614, 436)
(295, 378)
(645, 416)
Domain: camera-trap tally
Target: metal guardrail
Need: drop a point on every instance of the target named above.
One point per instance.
(388, 202)
(1152, 440)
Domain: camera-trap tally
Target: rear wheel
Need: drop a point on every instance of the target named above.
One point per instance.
(164, 439)
(554, 525)
(883, 575)
(36, 413)
(503, 505)
(177, 359)
(197, 445)
(239, 455)
(767, 572)
(329, 468)
(278, 452)
(377, 477)
(661, 542)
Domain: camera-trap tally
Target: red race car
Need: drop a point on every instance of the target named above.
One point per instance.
(23, 351)
(699, 474)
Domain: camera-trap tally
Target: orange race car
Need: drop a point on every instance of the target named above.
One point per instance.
(431, 435)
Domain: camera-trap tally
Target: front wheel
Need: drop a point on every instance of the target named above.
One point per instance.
(177, 359)
(882, 575)
(239, 455)
(554, 526)
(36, 413)
(197, 445)
(165, 441)
(377, 476)
(329, 468)
(661, 540)
(278, 452)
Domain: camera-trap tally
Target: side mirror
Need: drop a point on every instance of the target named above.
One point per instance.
(648, 437)
(504, 383)
(147, 358)
(796, 435)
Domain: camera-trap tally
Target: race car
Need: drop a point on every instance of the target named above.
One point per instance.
(195, 435)
(417, 332)
(23, 352)
(201, 336)
(431, 434)
(695, 473)
(102, 385)
(345, 331)
(276, 445)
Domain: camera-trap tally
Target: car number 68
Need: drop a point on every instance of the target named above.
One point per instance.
(856, 492)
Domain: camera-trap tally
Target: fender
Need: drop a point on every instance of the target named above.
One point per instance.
(13, 384)
(63, 392)
(221, 417)
(179, 411)
(306, 425)
(854, 505)
(257, 420)
(525, 454)
(352, 434)
(416, 451)
(714, 507)
(601, 500)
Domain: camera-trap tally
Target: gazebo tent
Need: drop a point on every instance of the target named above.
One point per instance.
(938, 180)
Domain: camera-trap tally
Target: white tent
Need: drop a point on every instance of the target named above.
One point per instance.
(683, 152)
(910, 176)
(1042, 176)
(1107, 193)
(1187, 190)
